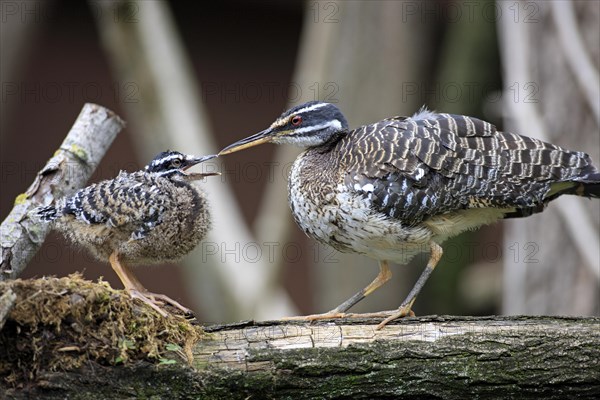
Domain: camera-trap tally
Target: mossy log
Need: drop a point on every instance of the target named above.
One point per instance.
(97, 343)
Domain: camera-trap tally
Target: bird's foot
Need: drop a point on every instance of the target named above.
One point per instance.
(389, 315)
(170, 301)
(333, 314)
(154, 299)
(402, 311)
(136, 294)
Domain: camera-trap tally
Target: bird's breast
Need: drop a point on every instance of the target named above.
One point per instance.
(186, 212)
(326, 209)
(183, 221)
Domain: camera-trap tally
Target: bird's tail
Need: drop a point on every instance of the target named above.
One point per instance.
(586, 186)
(48, 213)
(589, 186)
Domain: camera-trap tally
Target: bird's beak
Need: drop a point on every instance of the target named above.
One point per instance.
(265, 136)
(190, 161)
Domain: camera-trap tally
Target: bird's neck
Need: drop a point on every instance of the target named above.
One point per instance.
(331, 142)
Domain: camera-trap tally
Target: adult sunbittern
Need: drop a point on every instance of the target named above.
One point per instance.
(403, 185)
(145, 217)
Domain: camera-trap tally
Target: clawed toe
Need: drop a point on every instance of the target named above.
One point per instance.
(316, 317)
(387, 315)
(135, 294)
(155, 299)
(170, 301)
(399, 313)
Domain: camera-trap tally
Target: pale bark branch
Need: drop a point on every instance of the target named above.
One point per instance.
(67, 171)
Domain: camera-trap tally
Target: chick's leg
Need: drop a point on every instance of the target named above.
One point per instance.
(137, 291)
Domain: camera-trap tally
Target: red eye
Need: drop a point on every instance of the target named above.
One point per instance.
(296, 120)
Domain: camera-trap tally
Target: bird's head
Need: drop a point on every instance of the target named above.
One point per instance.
(174, 164)
(307, 125)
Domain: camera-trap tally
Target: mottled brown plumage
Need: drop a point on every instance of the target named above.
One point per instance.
(144, 217)
(403, 185)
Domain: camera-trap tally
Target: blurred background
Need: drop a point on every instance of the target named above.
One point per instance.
(196, 76)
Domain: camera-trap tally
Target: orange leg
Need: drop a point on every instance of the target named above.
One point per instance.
(405, 308)
(384, 275)
(137, 291)
(340, 311)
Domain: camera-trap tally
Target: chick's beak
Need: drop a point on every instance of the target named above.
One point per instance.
(190, 161)
(265, 136)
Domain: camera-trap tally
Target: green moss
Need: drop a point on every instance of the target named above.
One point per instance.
(20, 199)
(79, 152)
(87, 321)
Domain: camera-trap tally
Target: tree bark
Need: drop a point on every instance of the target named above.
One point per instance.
(427, 357)
(67, 171)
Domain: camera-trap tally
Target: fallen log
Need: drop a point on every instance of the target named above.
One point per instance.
(71, 338)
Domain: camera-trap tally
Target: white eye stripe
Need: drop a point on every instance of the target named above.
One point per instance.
(280, 122)
(334, 123)
(167, 158)
(284, 121)
(311, 108)
(166, 172)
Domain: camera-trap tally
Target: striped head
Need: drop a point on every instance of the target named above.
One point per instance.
(307, 125)
(173, 163)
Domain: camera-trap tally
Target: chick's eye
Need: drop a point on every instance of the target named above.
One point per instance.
(296, 120)
(176, 163)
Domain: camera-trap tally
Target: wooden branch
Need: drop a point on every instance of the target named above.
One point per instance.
(437, 356)
(68, 170)
(444, 357)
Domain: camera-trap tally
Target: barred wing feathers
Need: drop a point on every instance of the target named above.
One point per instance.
(412, 168)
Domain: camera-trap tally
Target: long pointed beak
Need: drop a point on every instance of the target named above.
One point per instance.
(190, 161)
(265, 136)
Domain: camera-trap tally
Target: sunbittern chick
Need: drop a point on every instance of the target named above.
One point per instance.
(145, 217)
(403, 185)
